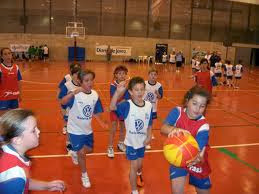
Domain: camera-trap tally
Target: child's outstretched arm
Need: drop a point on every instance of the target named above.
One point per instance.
(121, 88)
(55, 185)
(67, 98)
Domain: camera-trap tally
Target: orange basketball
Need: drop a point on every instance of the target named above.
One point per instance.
(178, 150)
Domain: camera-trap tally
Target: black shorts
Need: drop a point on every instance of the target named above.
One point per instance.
(172, 63)
(178, 63)
(237, 77)
(46, 55)
(230, 77)
(218, 74)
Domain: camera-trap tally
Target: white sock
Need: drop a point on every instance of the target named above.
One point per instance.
(139, 173)
(84, 174)
(135, 192)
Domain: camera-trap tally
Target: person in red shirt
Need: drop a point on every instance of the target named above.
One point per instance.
(10, 76)
(189, 118)
(19, 133)
(205, 78)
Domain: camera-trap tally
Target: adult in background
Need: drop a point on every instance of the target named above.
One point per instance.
(179, 61)
(109, 54)
(45, 52)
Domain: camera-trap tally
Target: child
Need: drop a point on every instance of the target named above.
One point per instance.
(164, 58)
(205, 78)
(172, 58)
(153, 93)
(83, 103)
(68, 84)
(10, 85)
(137, 115)
(18, 134)
(218, 71)
(238, 73)
(229, 72)
(120, 74)
(190, 119)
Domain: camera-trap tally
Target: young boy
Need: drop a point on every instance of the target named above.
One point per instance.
(154, 92)
(137, 115)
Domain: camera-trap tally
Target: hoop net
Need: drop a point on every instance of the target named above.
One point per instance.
(75, 29)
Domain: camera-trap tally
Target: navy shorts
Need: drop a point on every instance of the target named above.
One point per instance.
(237, 77)
(154, 115)
(9, 104)
(203, 183)
(79, 141)
(230, 77)
(218, 74)
(134, 154)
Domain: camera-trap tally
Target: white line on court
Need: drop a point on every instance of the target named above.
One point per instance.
(148, 151)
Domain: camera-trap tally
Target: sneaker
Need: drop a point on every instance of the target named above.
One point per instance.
(148, 147)
(69, 147)
(64, 131)
(110, 152)
(140, 181)
(74, 157)
(121, 147)
(86, 181)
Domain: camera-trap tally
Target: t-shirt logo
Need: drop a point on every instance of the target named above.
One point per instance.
(139, 124)
(87, 111)
(150, 97)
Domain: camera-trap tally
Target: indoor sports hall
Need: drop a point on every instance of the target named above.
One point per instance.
(46, 36)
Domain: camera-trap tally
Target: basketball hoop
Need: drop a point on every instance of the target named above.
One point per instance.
(75, 30)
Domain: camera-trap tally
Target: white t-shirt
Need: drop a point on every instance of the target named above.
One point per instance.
(82, 107)
(150, 94)
(218, 67)
(45, 50)
(238, 70)
(137, 120)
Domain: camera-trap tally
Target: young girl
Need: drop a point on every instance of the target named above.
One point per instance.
(10, 87)
(164, 58)
(218, 71)
(190, 119)
(137, 115)
(230, 72)
(172, 58)
(120, 74)
(18, 134)
(205, 78)
(238, 73)
(83, 103)
(153, 93)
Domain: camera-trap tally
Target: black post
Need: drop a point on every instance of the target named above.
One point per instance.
(125, 15)
(211, 19)
(170, 19)
(24, 16)
(75, 52)
(148, 10)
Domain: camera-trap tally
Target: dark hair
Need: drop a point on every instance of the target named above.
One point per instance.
(74, 68)
(227, 61)
(11, 124)
(196, 90)
(83, 73)
(135, 80)
(2, 50)
(204, 60)
(152, 69)
(120, 68)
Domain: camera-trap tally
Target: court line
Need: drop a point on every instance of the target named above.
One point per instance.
(148, 151)
(235, 157)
